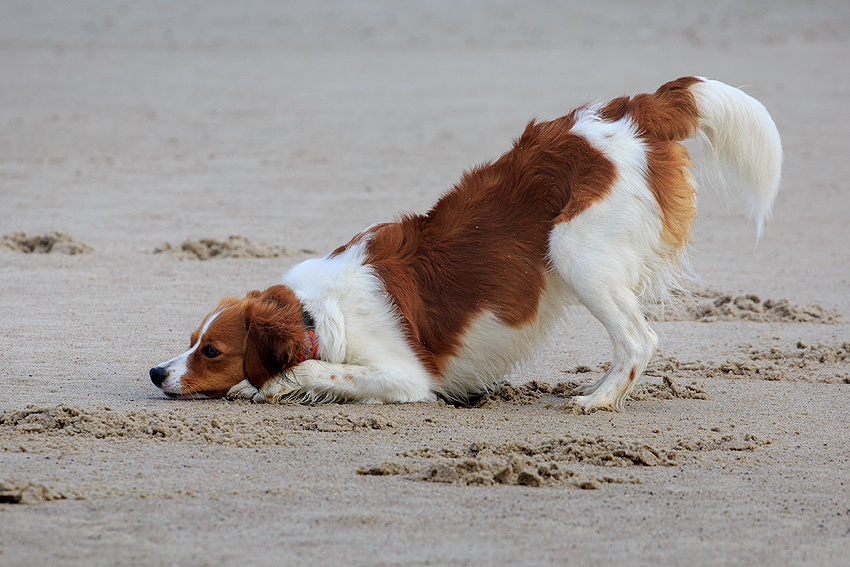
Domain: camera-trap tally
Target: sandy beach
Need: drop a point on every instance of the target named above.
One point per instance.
(154, 158)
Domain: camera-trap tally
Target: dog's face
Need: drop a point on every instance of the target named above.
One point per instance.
(253, 338)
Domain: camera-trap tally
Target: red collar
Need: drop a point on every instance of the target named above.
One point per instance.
(310, 346)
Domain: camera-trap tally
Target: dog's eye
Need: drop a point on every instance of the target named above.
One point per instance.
(210, 351)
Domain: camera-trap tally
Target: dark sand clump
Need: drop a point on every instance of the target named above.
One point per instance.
(232, 247)
(16, 491)
(50, 243)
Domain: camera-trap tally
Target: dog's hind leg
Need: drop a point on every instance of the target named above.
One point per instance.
(633, 340)
(606, 261)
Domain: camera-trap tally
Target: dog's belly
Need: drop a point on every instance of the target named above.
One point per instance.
(489, 348)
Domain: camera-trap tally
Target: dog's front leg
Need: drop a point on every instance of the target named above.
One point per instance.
(243, 389)
(317, 381)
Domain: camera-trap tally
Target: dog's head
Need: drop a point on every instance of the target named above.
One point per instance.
(253, 338)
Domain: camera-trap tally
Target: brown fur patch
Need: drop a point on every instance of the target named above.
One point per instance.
(274, 334)
(673, 186)
(664, 118)
(669, 114)
(483, 246)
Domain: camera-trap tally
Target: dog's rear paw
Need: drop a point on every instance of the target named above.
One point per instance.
(583, 405)
(585, 389)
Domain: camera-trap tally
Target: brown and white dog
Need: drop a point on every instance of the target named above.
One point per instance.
(594, 208)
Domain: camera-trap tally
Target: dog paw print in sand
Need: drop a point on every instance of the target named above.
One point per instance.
(232, 247)
(50, 243)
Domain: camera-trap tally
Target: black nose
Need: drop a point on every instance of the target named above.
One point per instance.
(158, 375)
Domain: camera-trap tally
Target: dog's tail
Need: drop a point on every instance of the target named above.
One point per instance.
(742, 142)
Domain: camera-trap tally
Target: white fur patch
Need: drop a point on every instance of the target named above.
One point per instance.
(741, 139)
(357, 326)
(616, 239)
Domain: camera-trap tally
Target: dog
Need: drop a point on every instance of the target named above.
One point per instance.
(593, 208)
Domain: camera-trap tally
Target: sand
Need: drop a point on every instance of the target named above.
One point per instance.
(253, 135)
(232, 247)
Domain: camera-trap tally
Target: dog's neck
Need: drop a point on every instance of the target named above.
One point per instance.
(310, 346)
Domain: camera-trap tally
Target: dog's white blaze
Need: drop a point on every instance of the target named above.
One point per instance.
(179, 365)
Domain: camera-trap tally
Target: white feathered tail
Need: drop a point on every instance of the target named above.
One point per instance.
(741, 140)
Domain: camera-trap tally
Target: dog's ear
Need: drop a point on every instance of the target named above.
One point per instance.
(273, 338)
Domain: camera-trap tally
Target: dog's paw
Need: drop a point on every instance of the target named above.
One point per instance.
(585, 390)
(278, 389)
(243, 390)
(583, 405)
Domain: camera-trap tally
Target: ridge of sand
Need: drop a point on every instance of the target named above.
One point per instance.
(231, 247)
(28, 427)
(543, 464)
(708, 304)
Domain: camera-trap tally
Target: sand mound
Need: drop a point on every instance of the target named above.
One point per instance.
(603, 451)
(18, 427)
(545, 464)
(511, 470)
(801, 363)
(667, 390)
(233, 247)
(524, 394)
(15, 491)
(530, 392)
(52, 242)
(708, 305)
(338, 421)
